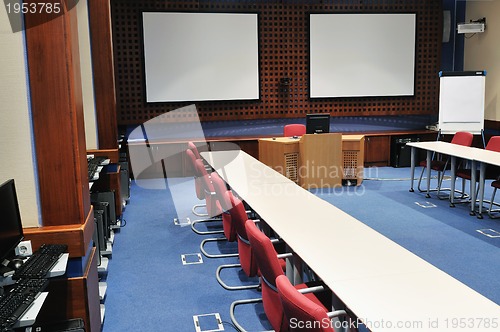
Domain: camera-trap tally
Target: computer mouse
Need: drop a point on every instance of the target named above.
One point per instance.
(295, 137)
(16, 263)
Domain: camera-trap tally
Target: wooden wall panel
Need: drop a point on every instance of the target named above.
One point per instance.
(104, 80)
(283, 31)
(58, 124)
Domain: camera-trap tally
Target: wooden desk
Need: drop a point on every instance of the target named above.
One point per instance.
(382, 283)
(316, 161)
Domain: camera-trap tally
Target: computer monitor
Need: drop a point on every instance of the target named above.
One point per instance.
(11, 228)
(317, 123)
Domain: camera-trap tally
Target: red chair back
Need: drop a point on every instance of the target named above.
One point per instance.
(193, 148)
(462, 138)
(298, 308)
(200, 193)
(294, 130)
(224, 205)
(239, 217)
(270, 268)
(493, 144)
(208, 188)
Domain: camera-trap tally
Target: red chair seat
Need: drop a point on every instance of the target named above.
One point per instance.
(302, 307)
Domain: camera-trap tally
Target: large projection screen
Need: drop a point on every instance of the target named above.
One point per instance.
(201, 56)
(362, 55)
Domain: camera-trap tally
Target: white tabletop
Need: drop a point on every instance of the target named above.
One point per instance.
(232, 165)
(375, 277)
(487, 156)
(451, 149)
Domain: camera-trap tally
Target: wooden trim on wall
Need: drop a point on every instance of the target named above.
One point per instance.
(103, 69)
(77, 236)
(112, 154)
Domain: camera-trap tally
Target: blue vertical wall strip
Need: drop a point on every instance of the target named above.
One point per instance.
(30, 115)
(452, 56)
(460, 39)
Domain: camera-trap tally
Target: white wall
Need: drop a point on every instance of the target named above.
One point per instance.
(16, 151)
(482, 52)
(87, 78)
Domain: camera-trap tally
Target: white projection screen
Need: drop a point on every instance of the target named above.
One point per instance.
(362, 55)
(201, 56)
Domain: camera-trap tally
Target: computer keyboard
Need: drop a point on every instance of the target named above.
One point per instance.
(18, 299)
(93, 165)
(92, 169)
(41, 262)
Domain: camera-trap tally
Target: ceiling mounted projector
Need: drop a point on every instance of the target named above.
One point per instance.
(472, 27)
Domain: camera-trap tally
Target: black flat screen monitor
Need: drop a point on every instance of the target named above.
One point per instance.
(11, 229)
(317, 123)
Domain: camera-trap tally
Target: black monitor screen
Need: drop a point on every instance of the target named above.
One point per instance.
(11, 229)
(317, 123)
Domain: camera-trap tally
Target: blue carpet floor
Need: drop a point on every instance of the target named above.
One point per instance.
(149, 289)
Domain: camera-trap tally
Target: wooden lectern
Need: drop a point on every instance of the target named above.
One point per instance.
(320, 160)
(281, 154)
(316, 161)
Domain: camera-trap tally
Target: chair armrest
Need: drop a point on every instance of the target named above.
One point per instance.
(314, 289)
(336, 313)
(285, 255)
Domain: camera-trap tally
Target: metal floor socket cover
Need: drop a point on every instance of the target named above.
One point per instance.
(188, 259)
(208, 323)
(489, 232)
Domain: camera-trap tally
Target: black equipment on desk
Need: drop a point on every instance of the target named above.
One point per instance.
(400, 153)
(318, 123)
(70, 325)
(102, 224)
(41, 262)
(18, 299)
(11, 228)
(106, 197)
(93, 164)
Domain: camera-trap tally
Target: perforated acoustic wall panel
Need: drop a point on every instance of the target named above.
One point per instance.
(283, 56)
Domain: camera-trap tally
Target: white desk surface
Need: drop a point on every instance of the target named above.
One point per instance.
(375, 277)
(471, 153)
(231, 165)
(487, 156)
(29, 316)
(446, 148)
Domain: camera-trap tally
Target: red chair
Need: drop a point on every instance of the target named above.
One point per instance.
(247, 261)
(224, 205)
(302, 312)
(492, 172)
(213, 209)
(270, 268)
(495, 184)
(294, 130)
(197, 182)
(194, 149)
(461, 138)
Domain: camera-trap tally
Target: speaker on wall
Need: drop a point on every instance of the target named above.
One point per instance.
(446, 25)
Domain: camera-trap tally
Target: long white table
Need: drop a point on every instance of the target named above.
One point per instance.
(454, 151)
(384, 284)
(472, 154)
